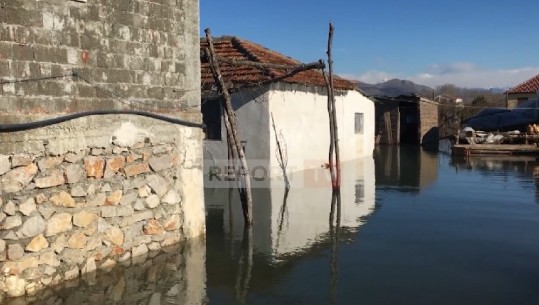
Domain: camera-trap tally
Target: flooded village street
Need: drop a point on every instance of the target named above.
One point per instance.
(171, 152)
(416, 228)
(430, 230)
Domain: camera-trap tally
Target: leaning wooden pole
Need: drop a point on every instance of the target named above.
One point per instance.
(230, 116)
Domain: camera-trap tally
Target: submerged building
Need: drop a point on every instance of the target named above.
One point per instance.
(275, 109)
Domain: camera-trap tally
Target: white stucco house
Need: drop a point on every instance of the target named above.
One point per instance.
(297, 104)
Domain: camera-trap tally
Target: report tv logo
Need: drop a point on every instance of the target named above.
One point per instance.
(304, 174)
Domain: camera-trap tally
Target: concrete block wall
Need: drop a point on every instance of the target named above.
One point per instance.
(145, 52)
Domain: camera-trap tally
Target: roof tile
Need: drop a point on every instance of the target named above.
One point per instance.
(240, 49)
(529, 86)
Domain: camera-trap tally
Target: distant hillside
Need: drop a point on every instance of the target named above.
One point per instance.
(395, 87)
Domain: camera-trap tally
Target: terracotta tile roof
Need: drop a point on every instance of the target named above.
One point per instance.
(240, 49)
(529, 86)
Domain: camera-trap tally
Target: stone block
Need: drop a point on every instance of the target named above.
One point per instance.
(28, 207)
(83, 219)
(49, 163)
(113, 165)
(33, 226)
(14, 252)
(10, 208)
(73, 173)
(77, 241)
(115, 236)
(49, 258)
(18, 178)
(140, 250)
(114, 198)
(117, 211)
(158, 184)
(152, 201)
(145, 215)
(59, 223)
(46, 211)
(55, 179)
(171, 197)
(136, 169)
(160, 163)
(72, 257)
(94, 166)
(78, 191)
(12, 222)
(172, 223)
(37, 244)
(74, 157)
(63, 199)
(153, 227)
(15, 286)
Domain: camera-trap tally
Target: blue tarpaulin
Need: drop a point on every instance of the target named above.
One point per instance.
(491, 119)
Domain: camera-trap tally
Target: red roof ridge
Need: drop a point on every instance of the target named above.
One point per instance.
(529, 86)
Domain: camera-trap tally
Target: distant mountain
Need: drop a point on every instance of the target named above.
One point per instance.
(395, 87)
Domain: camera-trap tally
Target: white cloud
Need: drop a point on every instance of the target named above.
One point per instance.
(371, 77)
(461, 74)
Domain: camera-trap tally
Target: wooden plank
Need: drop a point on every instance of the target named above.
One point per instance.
(494, 149)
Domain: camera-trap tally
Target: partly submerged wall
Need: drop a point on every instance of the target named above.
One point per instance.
(69, 207)
(176, 274)
(97, 190)
(302, 123)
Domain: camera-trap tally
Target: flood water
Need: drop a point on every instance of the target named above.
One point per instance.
(418, 228)
(414, 228)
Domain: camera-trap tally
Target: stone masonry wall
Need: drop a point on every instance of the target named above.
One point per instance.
(68, 214)
(173, 276)
(428, 123)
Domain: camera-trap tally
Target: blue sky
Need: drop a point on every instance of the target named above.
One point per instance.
(474, 43)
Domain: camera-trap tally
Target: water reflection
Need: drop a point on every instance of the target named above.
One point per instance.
(289, 226)
(290, 221)
(176, 275)
(522, 168)
(405, 168)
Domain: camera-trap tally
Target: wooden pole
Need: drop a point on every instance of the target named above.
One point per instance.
(334, 152)
(230, 117)
(334, 111)
(263, 65)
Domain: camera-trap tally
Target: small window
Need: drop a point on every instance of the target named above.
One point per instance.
(211, 116)
(358, 123)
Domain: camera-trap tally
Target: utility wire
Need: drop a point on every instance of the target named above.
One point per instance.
(4, 128)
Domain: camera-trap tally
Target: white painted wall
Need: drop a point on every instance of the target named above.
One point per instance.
(304, 220)
(302, 123)
(301, 117)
